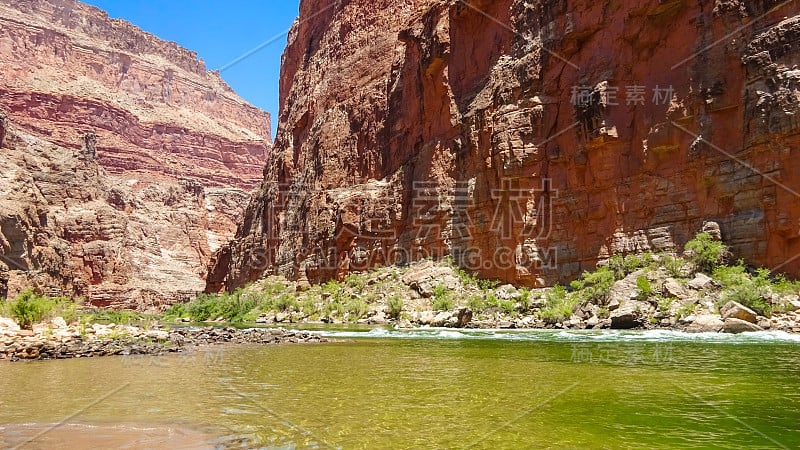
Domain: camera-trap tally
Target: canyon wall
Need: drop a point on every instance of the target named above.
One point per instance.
(527, 140)
(126, 163)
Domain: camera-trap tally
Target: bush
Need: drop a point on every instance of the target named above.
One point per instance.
(705, 252)
(785, 287)
(673, 266)
(739, 286)
(442, 299)
(29, 308)
(595, 286)
(476, 303)
(334, 309)
(286, 303)
(508, 306)
(356, 308)
(394, 306)
(355, 281)
(232, 307)
(731, 276)
(559, 306)
(622, 266)
(644, 287)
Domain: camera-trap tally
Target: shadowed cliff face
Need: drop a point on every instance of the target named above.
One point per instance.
(528, 140)
(124, 165)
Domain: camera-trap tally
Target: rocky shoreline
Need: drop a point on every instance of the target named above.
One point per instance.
(738, 319)
(57, 340)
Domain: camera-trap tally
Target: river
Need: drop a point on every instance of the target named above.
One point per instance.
(420, 389)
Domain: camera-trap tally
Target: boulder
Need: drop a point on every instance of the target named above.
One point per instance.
(463, 317)
(626, 288)
(426, 317)
(706, 323)
(738, 311)
(507, 292)
(425, 277)
(613, 305)
(158, 335)
(700, 282)
(630, 315)
(441, 319)
(59, 323)
(713, 229)
(378, 318)
(795, 304)
(8, 324)
(736, 326)
(674, 289)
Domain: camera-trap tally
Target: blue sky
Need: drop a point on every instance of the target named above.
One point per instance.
(220, 31)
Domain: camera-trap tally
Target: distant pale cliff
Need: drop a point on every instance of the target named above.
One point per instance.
(125, 163)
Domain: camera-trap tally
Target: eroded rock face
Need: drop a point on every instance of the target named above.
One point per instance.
(125, 163)
(528, 140)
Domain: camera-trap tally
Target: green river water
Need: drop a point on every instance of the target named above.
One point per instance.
(422, 389)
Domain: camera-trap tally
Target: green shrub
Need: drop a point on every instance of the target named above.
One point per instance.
(664, 304)
(488, 285)
(356, 308)
(616, 264)
(232, 307)
(508, 306)
(559, 306)
(596, 286)
(395, 306)
(673, 266)
(442, 298)
(731, 276)
(476, 303)
(286, 303)
(334, 308)
(686, 310)
(740, 286)
(525, 298)
(490, 299)
(622, 266)
(355, 281)
(785, 287)
(705, 252)
(29, 308)
(644, 287)
(308, 306)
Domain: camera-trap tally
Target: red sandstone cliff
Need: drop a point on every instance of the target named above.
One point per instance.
(529, 140)
(125, 162)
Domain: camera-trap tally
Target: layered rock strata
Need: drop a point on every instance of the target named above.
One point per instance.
(125, 163)
(528, 140)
